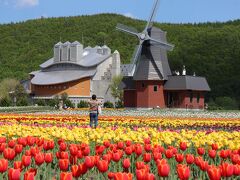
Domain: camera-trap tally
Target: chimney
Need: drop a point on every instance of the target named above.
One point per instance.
(76, 51)
(66, 51)
(57, 52)
(184, 71)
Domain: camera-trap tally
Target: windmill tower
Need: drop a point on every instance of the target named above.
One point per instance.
(149, 68)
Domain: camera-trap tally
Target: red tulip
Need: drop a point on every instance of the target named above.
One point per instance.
(26, 160)
(50, 145)
(89, 161)
(138, 149)
(141, 173)
(73, 150)
(3, 165)
(22, 141)
(48, 157)
(106, 144)
(179, 158)
(147, 141)
(64, 155)
(189, 158)
(30, 140)
(17, 165)
(63, 146)
(28, 153)
(120, 145)
(107, 157)
(9, 153)
(162, 161)
(147, 147)
(63, 164)
(2, 139)
(157, 156)
(224, 154)
(149, 176)
(198, 160)
(11, 143)
(65, 176)
(226, 169)
(235, 158)
(204, 165)
(73, 159)
(39, 158)
(212, 153)
(174, 150)
(86, 151)
(99, 149)
(236, 169)
(75, 171)
(34, 150)
(102, 166)
(201, 151)
(126, 163)
(14, 174)
(121, 176)
(140, 165)
(147, 157)
(163, 170)
(128, 150)
(183, 146)
(2, 147)
(29, 175)
(18, 148)
(215, 147)
(82, 168)
(169, 153)
(128, 143)
(214, 173)
(79, 154)
(116, 156)
(183, 171)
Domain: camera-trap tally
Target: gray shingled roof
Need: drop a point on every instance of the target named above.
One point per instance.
(187, 83)
(127, 83)
(57, 77)
(153, 63)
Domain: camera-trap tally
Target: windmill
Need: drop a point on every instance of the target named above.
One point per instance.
(150, 58)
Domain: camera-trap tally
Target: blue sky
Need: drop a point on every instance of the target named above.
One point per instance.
(172, 11)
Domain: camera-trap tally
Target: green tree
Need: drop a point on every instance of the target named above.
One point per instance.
(116, 92)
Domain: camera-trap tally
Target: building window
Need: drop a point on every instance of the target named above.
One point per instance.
(198, 97)
(143, 85)
(155, 88)
(191, 97)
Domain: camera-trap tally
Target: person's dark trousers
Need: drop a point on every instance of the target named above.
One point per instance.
(93, 120)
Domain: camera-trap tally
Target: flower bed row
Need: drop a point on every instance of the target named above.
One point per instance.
(30, 157)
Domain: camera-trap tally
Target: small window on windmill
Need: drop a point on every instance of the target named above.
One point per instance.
(155, 88)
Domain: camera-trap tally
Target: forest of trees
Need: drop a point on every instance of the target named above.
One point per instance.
(208, 49)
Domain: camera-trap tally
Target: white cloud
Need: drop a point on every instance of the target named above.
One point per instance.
(129, 15)
(26, 3)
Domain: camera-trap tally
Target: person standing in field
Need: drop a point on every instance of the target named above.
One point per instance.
(93, 111)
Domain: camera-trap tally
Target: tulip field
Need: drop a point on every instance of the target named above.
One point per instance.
(64, 147)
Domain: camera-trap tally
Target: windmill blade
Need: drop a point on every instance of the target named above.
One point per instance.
(164, 45)
(127, 29)
(152, 15)
(137, 53)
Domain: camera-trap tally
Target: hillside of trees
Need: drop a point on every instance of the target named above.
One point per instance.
(208, 49)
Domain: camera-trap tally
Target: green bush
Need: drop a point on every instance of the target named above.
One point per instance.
(69, 103)
(82, 104)
(22, 101)
(108, 104)
(119, 104)
(40, 102)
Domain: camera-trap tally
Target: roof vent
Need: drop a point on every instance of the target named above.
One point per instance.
(57, 52)
(76, 51)
(66, 51)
